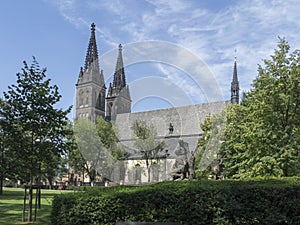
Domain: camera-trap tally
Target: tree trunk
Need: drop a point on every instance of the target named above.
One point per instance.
(1, 183)
(30, 204)
(148, 170)
(39, 196)
(24, 205)
(50, 180)
(36, 202)
(30, 199)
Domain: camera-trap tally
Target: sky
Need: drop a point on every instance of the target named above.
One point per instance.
(175, 52)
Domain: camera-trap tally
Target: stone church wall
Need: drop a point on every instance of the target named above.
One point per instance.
(185, 120)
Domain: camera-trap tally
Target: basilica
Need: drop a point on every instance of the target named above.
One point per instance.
(175, 125)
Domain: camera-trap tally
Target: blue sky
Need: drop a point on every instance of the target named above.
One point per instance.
(176, 52)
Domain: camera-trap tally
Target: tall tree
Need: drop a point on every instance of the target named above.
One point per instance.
(207, 161)
(274, 103)
(147, 144)
(90, 148)
(109, 138)
(263, 135)
(36, 130)
(2, 159)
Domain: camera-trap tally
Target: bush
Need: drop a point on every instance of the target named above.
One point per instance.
(192, 202)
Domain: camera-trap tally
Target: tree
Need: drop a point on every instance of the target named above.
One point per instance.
(35, 130)
(108, 136)
(274, 103)
(91, 155)
(209, 144)
(147, 144)
(237, 139)
(263, 133)
(97, 148)
(2, 160)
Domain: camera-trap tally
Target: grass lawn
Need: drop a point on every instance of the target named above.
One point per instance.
(11, 206)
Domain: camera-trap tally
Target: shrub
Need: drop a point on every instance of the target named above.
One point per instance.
(192, 202)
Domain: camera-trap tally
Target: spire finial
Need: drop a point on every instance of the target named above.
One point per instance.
(235, 54)
(93, 26)
(120, 47)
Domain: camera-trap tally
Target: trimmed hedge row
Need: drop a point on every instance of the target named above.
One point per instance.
(191, 202)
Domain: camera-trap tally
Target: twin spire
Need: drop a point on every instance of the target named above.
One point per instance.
(119, 80)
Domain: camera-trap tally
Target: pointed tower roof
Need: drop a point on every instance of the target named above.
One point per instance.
(235, 77)
(92, 52)
(119, 75)
(235, 84)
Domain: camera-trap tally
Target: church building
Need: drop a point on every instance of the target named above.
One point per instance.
(178, 127)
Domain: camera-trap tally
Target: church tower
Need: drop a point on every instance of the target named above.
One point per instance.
(118, 96)
(90, 87)
(235, 85)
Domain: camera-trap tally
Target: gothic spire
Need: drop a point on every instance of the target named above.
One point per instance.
(92, 52)
(235, 77)
(235, 84)
(119, 75)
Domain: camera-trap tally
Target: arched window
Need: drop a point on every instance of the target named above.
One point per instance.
(87, 98)
(81, 98)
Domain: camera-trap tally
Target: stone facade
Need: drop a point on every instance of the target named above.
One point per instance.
(90, 87)
(173, 125)
(184, 120)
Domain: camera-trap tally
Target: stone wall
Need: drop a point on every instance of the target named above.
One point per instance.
(185, 120)
(186, 126)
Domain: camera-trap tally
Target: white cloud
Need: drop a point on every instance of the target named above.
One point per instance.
(250, 26)
(180, 79)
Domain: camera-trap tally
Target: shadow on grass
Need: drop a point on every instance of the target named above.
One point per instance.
(11, 206)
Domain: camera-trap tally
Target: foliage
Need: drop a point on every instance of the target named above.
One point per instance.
(192, 202)
(35, 131)
(209, 145)
(147, 144)
(262, 134)
(108, 136)
(2, 160)
(274, 111)
(90, 155)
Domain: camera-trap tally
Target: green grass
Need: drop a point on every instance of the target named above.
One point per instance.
(11, 206)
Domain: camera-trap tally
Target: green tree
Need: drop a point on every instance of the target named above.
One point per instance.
(209, 145)
(237, 139)
(97, 149)
(274, 103)
(108, 136)
(147, 144)
(262, 134)
(91, 154)
(2, 159)
(36, 131)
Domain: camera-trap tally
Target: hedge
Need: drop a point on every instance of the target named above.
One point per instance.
(191, 202)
